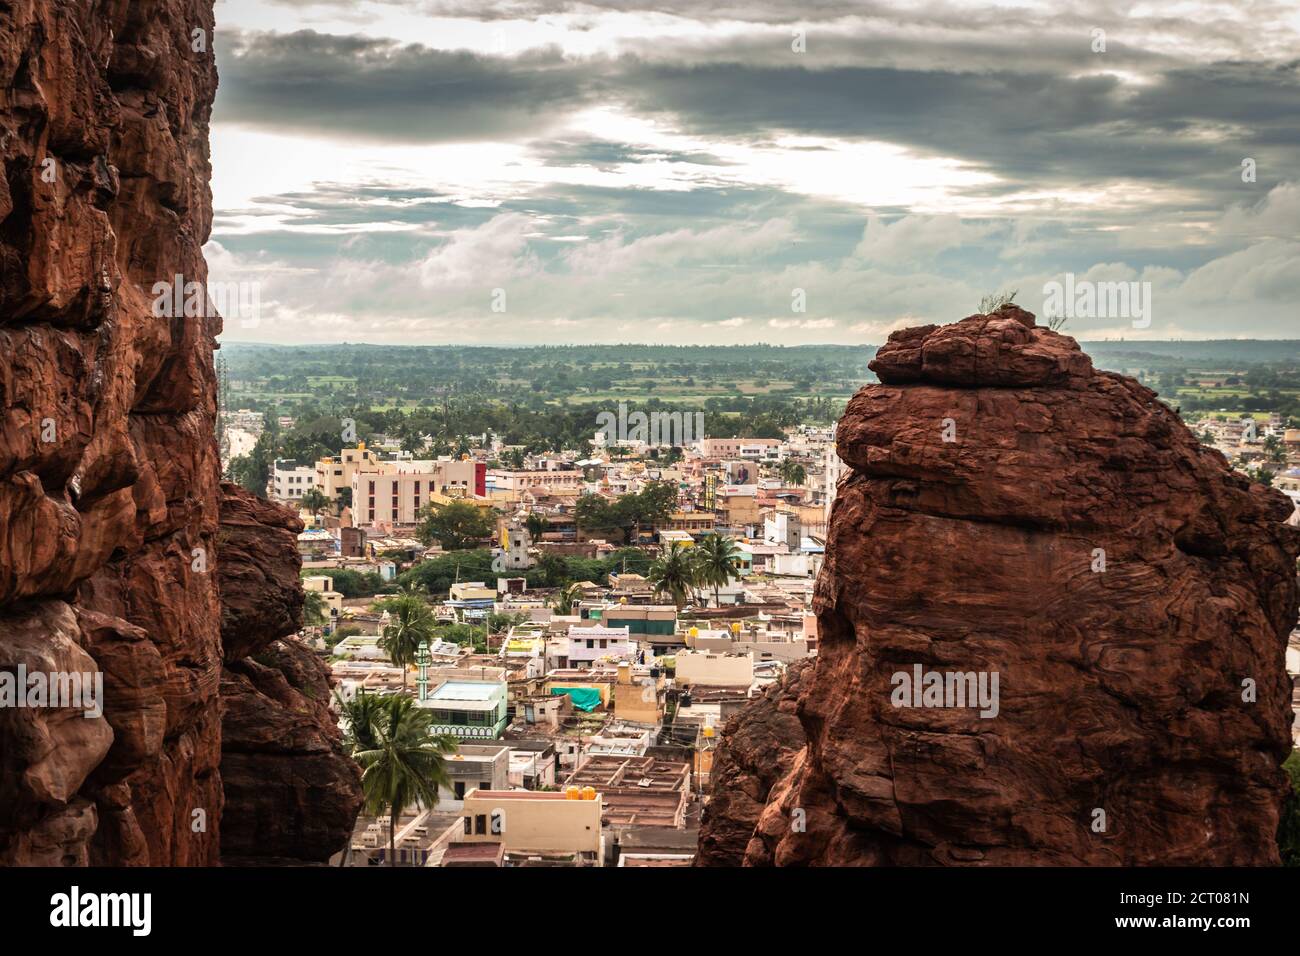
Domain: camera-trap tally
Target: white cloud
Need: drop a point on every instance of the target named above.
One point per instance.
(917, 238)
(1277, 215)
(808, 324)
(481, 257)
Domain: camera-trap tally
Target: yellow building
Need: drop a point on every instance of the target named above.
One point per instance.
(529, 821)
(707, 669)
(693, 522)
(637, 701)
(334, 473)
(472, 591)
(737, 510)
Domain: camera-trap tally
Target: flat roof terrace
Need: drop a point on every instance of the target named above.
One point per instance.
(464, 690)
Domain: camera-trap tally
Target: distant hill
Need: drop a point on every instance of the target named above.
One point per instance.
(1228, 351)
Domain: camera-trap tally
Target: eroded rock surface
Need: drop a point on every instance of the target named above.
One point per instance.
(108, 467)
(757, 749)
(291, 793)
(110, 502)
(1074, 537)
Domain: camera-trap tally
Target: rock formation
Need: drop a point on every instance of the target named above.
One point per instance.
(291, 794)
(758, 749)
(1010, 510)
(109, 497)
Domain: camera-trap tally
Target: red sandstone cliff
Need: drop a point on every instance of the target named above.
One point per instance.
(292, 795)
(1121, 690)
(109, 497)
(760, 746)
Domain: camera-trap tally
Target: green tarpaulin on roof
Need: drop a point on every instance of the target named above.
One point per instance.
(584, 698)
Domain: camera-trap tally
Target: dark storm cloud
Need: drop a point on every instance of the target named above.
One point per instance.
(745, 10)
(606, 155)
(1028, 128)
(372, 88)
(1028, 124)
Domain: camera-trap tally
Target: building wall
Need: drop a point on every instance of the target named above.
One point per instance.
(474, 770)
(536, 823)
(739, 510)
(335, 473)
(689, 521)
(641, 620)
(637, 702)
(289, 482)
(731, 447)
(391, 499)
(535, 480)
(714, 670)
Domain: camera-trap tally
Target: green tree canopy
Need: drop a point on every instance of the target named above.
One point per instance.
(455, 525)
(412, 624)
(674, 573)
(716, 559)
(405, 764)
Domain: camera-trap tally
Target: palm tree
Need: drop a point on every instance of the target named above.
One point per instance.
(315, 501)
(716, 561)
(565, 598)
(412, 624)
(313, 608)
(792, 473)
(361, 714)
(673, 573)
(1275, 450)
(405, 766)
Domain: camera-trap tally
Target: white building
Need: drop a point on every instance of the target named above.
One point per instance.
(832, 470)
(289, 479)
(512, 553)
(784, 528)
(587, 645)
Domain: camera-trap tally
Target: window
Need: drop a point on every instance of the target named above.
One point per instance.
(460, 791)
(480, 823)
(467, 826)
(485, 784)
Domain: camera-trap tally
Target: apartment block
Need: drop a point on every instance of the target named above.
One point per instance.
(289, 479)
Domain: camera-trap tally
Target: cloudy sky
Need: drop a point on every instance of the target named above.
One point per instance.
(673, 171)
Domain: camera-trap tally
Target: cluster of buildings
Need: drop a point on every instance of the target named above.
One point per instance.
(772, 496)
(585, 738)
